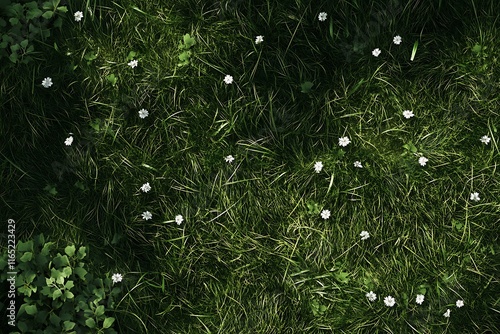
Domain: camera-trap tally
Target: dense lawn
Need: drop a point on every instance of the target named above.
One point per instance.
(253, 253)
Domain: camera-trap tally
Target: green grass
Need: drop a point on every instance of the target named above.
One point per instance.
(253, 254)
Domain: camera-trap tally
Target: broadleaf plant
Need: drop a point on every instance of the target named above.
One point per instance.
(58, 294)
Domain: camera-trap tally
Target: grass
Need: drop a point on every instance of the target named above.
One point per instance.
(253, 254)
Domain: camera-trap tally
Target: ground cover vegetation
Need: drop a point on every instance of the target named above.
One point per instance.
(254, 166)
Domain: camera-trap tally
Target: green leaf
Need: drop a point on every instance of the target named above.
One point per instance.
(25, 246)
(54, 319)
(184, 56)
(56, 294)
(61, 260)
(15, 47)
(48, 14)
(68, 325)
(69, 285)
(69, 294)
(477, 48)
(22, 326)
(131, 55)
(99, 310)
(111, 78)
(67, 271)
(62, 9)
(14, 21)
(31, 309)
(414, 51)
(13, 57)
(46, 248)
(51, 190)
(58, 22)
(188, 41)
(306, 87)
(342, 277)
(90, 323)
(108, 322)
(70, 250)
(81, 253)
(24, 43)
(33, 13)
(80, 272)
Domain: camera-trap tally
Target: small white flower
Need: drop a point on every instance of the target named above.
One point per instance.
(143, 113)
(78, 16)
(318, 166)
(133, 63)
(364, 235)
(485, 139)
(358, 164)
(344, 141)
(146, 187)
(325, 214)
(474, 197)
(147, 215)
(447, 313)
(116, 278)
(389, 301)
(228, 79)
(408, 114)
(47, 82)
(259, 39)
(460, 303)
(179, 219)
(371, 296)
(322, 16)
(420, 299)
(69, 141)
(229, 158)
(397, 40)
(422, 161)
(376, 52)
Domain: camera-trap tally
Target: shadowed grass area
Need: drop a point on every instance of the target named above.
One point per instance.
(253, 254)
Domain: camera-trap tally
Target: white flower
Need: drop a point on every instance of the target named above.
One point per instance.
(376, 52)
(474, 197)
(371, 296)
(78, 16)
(133, 63)
(485, 139)
(143, 113)
(389, 301)
(228, 79)
(179, 219)
(358, 164)
(460, 303)
(423, 161)
(322, 16)
(117, 278)
(420, 299)
(147, 215)
(397, 40)
(69, 141)
(364, 235)
(318, 166)
(408, 114)
(447, 313)
(229, 158)
(47, 82)
(146, 187)
(325, 214)
(259, 39)
(344, 141)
